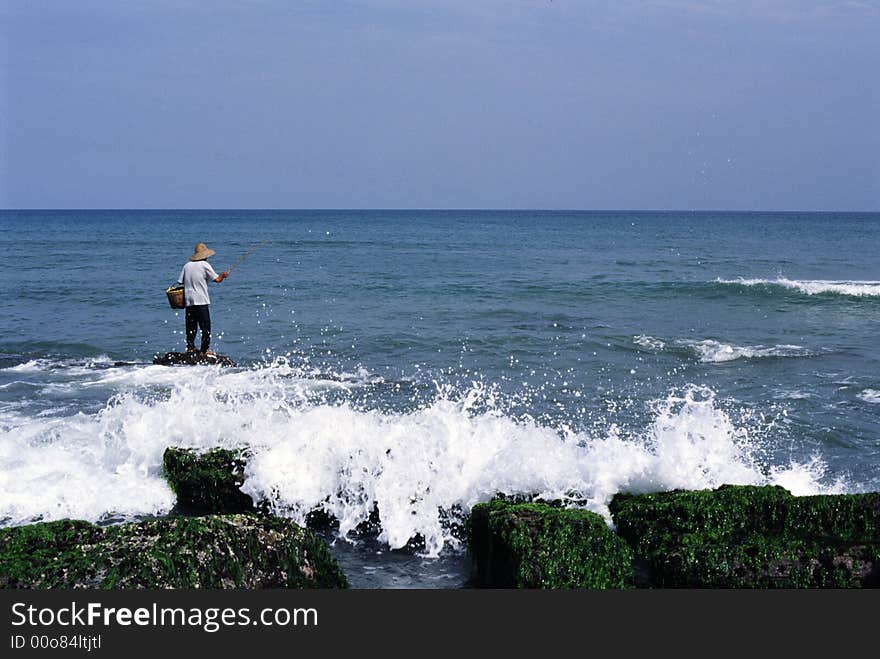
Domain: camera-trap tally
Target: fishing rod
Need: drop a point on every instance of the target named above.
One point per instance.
(247, 254)
(176, 294)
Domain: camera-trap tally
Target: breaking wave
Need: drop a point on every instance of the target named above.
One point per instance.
(711, 351)
(649, 342)
(714, 352)
(813, 286)
(42, 365)
(416, 466)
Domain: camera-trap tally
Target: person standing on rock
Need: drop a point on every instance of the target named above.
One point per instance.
(194, 277)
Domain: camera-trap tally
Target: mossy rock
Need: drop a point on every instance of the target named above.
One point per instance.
(535, 545)
(766, 562)
(207, 482)
(233, 551)
(749, 536)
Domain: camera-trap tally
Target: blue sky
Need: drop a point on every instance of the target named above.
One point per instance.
(748, 104)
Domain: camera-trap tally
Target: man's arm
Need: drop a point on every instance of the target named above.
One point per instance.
(223, 275)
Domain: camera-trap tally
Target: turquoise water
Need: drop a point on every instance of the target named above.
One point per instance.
(424, 360)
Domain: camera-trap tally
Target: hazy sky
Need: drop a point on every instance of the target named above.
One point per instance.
(741, 104)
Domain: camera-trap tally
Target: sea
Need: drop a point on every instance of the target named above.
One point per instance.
(416, 363)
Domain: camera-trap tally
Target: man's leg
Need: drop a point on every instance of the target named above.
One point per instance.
(191, 328)
(205, 326)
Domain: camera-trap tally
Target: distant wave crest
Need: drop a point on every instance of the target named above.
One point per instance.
(870, 396)
(814, 286)
(711, 351)
(44, 364)
(649, 342)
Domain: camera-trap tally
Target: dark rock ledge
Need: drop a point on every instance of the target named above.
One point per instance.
(753, 537)
(229, 551)
(732, 537)
(535, 545)
(207, 482)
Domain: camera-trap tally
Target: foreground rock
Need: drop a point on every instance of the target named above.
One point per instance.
(533, 545)
(207, 482)
(753, 537)
(235, 551)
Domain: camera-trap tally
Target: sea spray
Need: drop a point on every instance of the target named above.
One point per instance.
(314, 449)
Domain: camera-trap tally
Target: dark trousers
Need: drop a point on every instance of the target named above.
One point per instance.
(198, 317)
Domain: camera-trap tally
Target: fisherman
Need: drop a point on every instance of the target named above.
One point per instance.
(194, 277)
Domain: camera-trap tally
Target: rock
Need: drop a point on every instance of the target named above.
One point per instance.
(234, 551)
(753, 537)
(207, 482)
(535, 545)
(192, 359)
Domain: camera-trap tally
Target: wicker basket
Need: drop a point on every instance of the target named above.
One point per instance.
(175, 296)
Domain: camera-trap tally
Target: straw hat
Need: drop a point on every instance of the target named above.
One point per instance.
(201, 252)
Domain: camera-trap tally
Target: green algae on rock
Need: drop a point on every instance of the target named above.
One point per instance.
(535, 545)
(207, 482)
(753, 537)
(232, 551)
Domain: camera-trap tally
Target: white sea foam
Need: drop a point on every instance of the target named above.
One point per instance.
(795, 395)
(870, 396)
(32, 366)
(42, 365)
(649, 342)
(711, 351)
(310, 453)
(814, 286)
